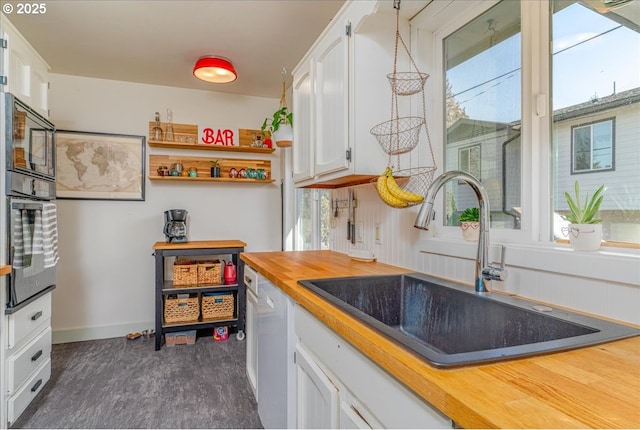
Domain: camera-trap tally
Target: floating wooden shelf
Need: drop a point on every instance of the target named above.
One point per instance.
(203, 166)
(209, 179)
(198, 146)
(185, 132)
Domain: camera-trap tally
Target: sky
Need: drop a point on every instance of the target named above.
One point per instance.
(591, 53)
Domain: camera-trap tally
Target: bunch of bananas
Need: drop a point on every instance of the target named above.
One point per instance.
(391, 193)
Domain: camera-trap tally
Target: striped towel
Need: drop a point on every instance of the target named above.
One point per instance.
(22, 238)
(35, 232)
(48, 234)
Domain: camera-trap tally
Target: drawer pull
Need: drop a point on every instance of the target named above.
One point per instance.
(36, 356)
(36, 315)
(36, 386)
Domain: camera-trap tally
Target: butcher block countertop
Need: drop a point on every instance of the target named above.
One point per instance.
(200, 244)
(596, 386)
(5, 270)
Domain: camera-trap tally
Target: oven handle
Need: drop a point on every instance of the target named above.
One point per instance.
(28, 206)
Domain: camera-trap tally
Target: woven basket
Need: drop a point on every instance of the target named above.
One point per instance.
(415, 180)
(209, 272)
(217, 306)
(407, 83)
(398, 135)
(185, 273)
(181, 310)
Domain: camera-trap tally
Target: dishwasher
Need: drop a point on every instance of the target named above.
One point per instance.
(275, 352)
(251, 283)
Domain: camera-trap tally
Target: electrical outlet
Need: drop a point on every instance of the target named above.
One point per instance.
(378, 234)
(359, 232)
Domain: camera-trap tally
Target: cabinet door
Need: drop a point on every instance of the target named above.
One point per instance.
(303, 128)
(317, 397)
(332, 101)
(350, 418)
(18, 73)
(39, 90)
(27, 73)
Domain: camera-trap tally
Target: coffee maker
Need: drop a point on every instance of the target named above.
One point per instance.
(175, 225)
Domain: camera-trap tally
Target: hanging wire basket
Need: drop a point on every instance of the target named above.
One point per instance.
(415, 180)
(398, 135)
(407, 83)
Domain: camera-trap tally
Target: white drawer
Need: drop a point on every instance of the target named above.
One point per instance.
(29, 320)
(22, 364)
(251, 279)
(20, 400)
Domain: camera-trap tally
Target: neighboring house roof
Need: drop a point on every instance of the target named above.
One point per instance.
(598, 104)
(466, 128)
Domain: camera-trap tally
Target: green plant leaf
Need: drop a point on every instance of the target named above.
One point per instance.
(586, 214)
(470, 215)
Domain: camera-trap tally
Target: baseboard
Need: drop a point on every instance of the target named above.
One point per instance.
(102, 332)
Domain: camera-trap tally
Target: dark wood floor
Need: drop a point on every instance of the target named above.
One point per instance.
(119, 383)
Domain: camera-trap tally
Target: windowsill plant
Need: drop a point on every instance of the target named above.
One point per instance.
(585, 228)
(469, 222)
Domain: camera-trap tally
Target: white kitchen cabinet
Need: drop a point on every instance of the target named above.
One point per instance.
(316, 395)
(365, 395)
(303, 113)
(323, 403)
(340, 92)
(350, 417)
(26, 71)
(33, 318)
(332, 99)
(28, 354)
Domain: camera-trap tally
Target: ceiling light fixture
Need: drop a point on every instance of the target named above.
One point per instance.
(218, 70)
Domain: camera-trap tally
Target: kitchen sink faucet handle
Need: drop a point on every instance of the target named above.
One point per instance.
(496, 273)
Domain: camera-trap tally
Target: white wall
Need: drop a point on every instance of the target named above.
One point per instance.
(106, 272)
(605, 282)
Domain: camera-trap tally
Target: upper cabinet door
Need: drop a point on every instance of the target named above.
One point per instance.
(332, 100)
(27, 73)
(303, 136)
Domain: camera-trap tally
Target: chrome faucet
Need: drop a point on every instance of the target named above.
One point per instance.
(483, 271)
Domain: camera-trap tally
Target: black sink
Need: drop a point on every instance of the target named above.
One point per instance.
(450, 325)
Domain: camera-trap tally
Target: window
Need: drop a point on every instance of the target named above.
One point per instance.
(483, 113)
(550, 92)
(469, 160)
(313, 221)
(592, 147)
(596, 111)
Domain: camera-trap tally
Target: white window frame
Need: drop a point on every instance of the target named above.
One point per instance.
(428, 31)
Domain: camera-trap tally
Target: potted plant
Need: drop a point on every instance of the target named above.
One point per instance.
(280, 126)
(215, 169)
(585, 229)
(469, 222)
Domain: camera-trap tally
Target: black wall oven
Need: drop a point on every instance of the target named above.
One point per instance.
(32, 235)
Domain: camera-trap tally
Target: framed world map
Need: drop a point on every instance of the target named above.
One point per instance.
(99, 166)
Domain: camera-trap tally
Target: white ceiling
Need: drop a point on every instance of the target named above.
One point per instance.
(158, 42)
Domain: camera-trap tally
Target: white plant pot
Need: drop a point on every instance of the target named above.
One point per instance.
(585, 237)
(470, 230)
(283, 137)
